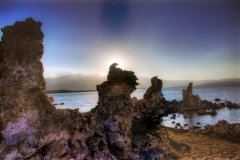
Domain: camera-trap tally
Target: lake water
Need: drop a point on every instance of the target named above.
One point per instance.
(85, 101)
(231, 115)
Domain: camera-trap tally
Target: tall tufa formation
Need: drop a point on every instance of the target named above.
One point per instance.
(190, 101)
(114, 117)
(30, 126)
(154, 93)
(115, 111)
(117, 75)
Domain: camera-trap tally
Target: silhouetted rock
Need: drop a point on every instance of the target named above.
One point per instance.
(154, 93)
(190, 101)
(116, 75)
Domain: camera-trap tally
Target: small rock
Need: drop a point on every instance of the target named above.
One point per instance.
(201, 111)
(50, 99)
(178, 124)
(213, 112)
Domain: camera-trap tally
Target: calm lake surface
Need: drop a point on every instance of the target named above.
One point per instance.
(231, 115)
(85, 101)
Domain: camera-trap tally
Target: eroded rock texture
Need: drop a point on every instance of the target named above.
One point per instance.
(193, 102)
(154, 93)
(115, 112)
(153, 104)
(190, 101)
(32, 128)
(223, 128)
(117, 75)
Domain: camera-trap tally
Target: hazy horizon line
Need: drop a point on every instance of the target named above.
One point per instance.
(85, 75)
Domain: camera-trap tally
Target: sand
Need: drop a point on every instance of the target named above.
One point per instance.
(196, 145)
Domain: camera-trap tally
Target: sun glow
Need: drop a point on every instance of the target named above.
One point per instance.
(102, 74)
(118, 61)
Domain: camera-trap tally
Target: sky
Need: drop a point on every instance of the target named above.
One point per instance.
(174, 40)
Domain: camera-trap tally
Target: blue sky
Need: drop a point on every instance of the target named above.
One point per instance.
(174, 40)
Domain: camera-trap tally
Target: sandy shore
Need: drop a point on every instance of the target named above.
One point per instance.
(199, 146)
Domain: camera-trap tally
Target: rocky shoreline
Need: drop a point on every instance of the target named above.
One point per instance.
(195, 145)
(119, 127)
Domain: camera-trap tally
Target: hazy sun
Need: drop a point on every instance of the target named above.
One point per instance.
(111, 61)
(102, 74)
(118, 61)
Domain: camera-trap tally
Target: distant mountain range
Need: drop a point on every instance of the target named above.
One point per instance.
(78, 82)
(74, 82)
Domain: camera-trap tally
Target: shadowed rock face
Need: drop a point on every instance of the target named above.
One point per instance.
(23, 99)
(154, 93)
(190, 100)
(223, 128)
(32, 128)
(115, 110)
(116, 75)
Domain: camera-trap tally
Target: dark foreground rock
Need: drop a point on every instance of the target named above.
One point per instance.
(32, 128)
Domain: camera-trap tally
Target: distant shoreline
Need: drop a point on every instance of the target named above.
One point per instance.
(70, 91)
(199, 85)
(67, 91)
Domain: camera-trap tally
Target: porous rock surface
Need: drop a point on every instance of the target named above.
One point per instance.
(32, 128)
(193, 102)
(153, 105)
(154, 93)
(225, 129)
(190, 100)
(115, 111)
